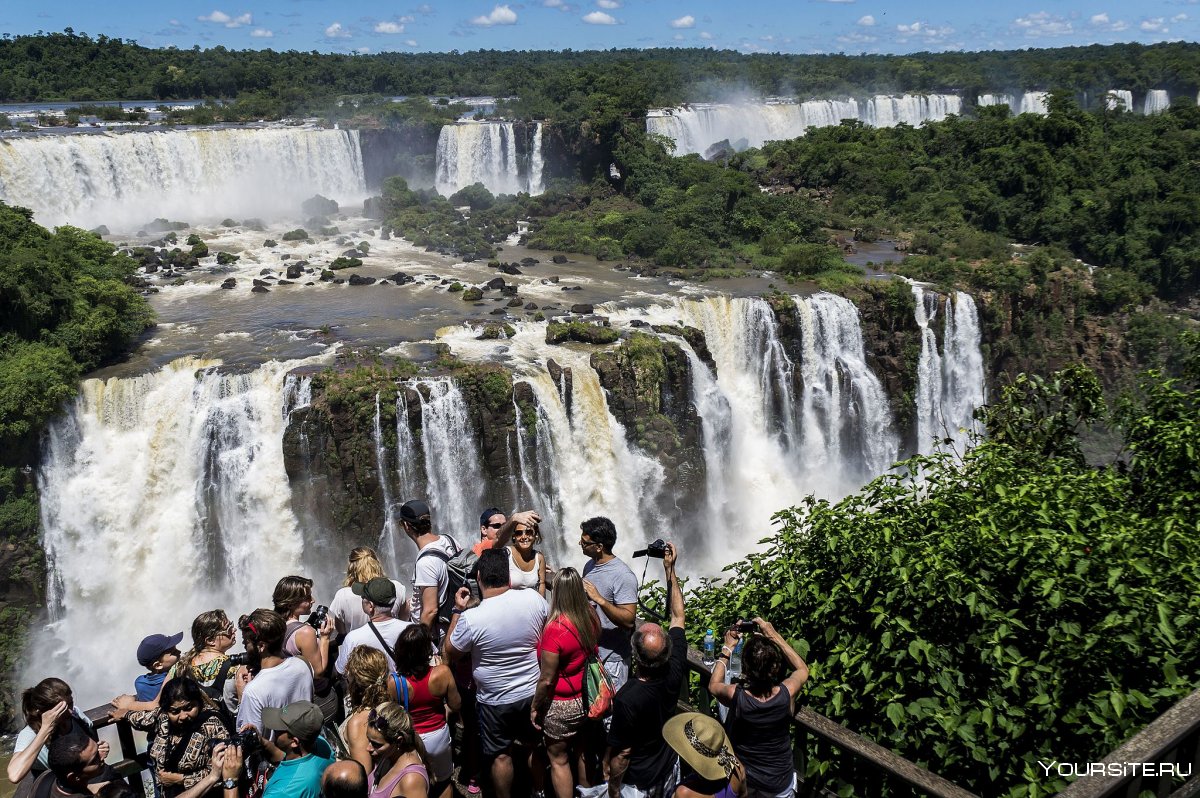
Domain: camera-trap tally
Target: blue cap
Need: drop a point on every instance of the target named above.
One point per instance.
(153, 647)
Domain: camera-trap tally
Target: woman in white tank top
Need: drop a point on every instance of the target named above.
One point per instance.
(526, 565)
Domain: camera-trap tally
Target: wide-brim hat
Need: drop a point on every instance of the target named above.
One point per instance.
(702, 743)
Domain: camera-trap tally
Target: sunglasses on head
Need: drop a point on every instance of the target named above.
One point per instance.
(377, 721)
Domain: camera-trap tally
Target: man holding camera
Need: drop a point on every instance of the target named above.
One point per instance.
(382, 629)
(613, 588)
(638, 754)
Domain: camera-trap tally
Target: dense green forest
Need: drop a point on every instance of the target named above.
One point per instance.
(558, 85)
(1016, 604)
(67, 309)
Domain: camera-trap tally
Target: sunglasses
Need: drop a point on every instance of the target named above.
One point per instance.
(493, 526)
(524, 533)
(377, 722)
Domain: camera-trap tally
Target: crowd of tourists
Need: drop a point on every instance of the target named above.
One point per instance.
(497, 675)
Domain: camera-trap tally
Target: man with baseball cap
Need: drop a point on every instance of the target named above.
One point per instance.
(297, 729)
(156, 653)
(381, 631)
(431, 600)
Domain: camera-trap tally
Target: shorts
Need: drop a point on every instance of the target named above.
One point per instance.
(502, 725)
(563, 718)
(437, 745)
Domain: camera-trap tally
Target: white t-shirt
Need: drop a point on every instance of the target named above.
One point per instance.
(430, 571)
(363, 636)
(502, 635)
(347, 607)
(286, 683)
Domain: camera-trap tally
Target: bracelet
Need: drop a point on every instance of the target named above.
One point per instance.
(722, 657)
(457, 611)
(727, 651)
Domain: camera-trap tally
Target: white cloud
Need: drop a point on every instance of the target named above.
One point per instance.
(1154, 25)
(175, 23)
(388, 27)
(1043, 23)
(866, 21)
(854, 37)
(609, 4)
(686, 21)
(336, 31)
(599, 18)
(501, 15)
(363, 50)
(678, 37)
(1179, 18)
(1099, 19)
(411, 42)
(261, 33)
(706, 35)
(924, 31)
(221, 18)
(1102, 21)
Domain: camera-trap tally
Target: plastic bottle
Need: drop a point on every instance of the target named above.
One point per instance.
(710, 649)
(735, 661)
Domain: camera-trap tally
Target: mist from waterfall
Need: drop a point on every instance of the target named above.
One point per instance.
(162, 496)
(487, 153)
(125, 180)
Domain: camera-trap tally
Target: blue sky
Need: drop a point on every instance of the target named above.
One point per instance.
(796, 26)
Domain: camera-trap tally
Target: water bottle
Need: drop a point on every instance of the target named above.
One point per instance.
(710, 649)
(735, 662)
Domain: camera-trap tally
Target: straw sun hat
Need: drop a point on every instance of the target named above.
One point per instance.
(702, 743)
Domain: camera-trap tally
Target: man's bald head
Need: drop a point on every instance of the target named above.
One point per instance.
(651, 651)
(344, 779)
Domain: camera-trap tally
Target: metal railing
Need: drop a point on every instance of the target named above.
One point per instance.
(132, 761)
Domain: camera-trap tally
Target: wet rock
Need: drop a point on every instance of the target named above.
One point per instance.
(495, 284)
(510, 268)
(229, 283)
(260, 284)
(358, 279)
(499, 312)
(515, 302)
(582, 308)
(227, 258)
(264, 272)
(259, 289)
(473, 294)
(577, 288)
(285, 282)
(531, 306)
(400, 278)
(530, 261)
(101, 231)
(285, 256)
(509, 290)
(294, 270)
(559, 259)
(638, 323)
(584, 333)
(353, 253)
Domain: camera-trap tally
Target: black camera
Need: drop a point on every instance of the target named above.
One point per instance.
(657, 549)
(746, 626)
(316, 618)
(249, 741)
(238, 659)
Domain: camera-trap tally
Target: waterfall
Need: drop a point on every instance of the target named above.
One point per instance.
(162, 496)
(984, 100)
(1118, 99)
(448, 441)
(950, 384)
(695, 128)
(486, 152)
(847, 423)
(1034, 102)
(388, 533)
(124, 180)
(1157, 101)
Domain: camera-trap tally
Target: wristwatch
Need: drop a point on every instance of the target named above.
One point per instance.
(229, 784)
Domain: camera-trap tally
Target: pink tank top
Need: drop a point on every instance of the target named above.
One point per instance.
(385, 790)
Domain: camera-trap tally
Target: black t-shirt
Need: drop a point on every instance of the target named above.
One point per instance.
(640, 709)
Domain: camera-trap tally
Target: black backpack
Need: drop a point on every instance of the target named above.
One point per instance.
(460, 571)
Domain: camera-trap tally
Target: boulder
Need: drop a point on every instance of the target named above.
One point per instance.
(263, 272)
(510, 268)
(352, 253)
(400, 278)
(529, 261)
(294, 270)
(515, 302)
(226, 258)
(473, 294)
(230, 282)
(509, 290)
(584, 333)
(499, 312)
(101, 231)
(260, 284)
(531, 306)
(559, 259)
(358, 279)
(317, 205)
(260, 289)
(582, 308)
(299, 234)
(495, 284)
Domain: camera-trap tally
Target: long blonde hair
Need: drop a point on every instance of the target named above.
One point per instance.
(569, 600)
(366, 677)
(363, 566)
(395, 724)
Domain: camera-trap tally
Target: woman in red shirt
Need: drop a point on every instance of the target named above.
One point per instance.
(570, 635)
(425, 691)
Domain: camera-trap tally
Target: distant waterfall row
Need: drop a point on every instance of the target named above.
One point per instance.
(490, 153)
(695, 128)
(167, 494)
(124, 180)
(1035, 102)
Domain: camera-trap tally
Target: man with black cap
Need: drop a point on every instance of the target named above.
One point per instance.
(305, 753)
(156, 653)
(381, 631)
(431, 577)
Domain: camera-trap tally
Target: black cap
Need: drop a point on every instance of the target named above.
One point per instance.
(380, 591)
(154, 646)
(412, 510)
(487, 514)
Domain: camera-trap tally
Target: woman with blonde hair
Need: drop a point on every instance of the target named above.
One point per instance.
(570, 636)
(399, 765)
(366, 677)
(346, 608)
(212, 636)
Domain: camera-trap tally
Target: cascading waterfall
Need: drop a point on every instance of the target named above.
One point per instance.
(486, 152)
(124, 180)
(388, 533)
(1034, 102)
(166, 493)
(453, 476)
(695, 128)
(950, 384)
(1118, 99)
(985, 100)
(847, 423)
(1157, 101)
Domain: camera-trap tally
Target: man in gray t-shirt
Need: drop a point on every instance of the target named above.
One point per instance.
(612, 588)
